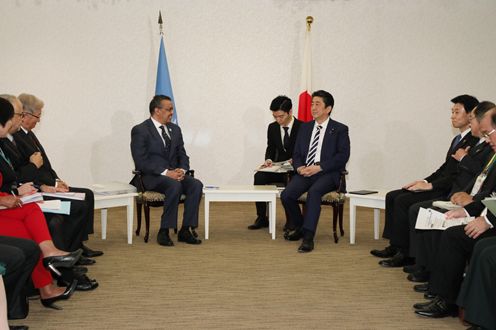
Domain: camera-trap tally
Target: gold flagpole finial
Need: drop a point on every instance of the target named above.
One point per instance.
(160, 22)
(309, 23)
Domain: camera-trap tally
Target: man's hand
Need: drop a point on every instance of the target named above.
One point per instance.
(175, 174)
(411, 184)
(308, 171)
(453, 214)
(10, 201)
(267, 163)
(48, 189)
(61, 186)
(476, 227)
(181, 173)
(461, 198)
(36, 159)
(460, 153)
(26, 189)
(418, 185)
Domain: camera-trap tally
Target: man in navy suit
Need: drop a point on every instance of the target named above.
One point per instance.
(320, 154)
(158, 152)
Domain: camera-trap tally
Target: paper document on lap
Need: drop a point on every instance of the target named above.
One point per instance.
(79, 196)
(429, 219)
(279, 167)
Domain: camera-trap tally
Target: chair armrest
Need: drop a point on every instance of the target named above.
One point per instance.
(137, 181)
(342, 182)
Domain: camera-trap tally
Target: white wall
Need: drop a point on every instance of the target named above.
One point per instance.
(392, 67)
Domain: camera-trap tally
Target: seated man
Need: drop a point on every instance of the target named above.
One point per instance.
(321, 152)
(281, 137)
(158, 152)
(456, 246)
(436, 185)
(26, 145)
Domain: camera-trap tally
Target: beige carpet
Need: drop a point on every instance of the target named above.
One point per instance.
(239, 279)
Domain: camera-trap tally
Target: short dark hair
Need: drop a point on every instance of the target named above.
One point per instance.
(155, 102)
(326, 96)
(6, 111)
(469, 102)
(481, 109)
(282, 102)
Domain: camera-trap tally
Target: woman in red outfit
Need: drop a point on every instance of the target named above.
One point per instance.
(27, 221)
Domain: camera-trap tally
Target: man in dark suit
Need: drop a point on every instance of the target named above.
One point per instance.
(457, 244)
(281, 137)
(436, 185)
(321, 152)
(158, 152)
(24, 147)
(478, 293)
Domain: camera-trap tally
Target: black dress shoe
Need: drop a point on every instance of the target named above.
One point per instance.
(83, 261)
(412, 268)
(422, 305)
(295, 235)
(49, 302)
(260, 222)
(388, 252)
(424, 287)
(85, 284)
(18, 327)
(163, 238)
(185, 236)
(428, 295)
(89, 253)
(79, 270)
(306, 246)
(438, 308)
(418, 276)
(65, 261)
(399, 260)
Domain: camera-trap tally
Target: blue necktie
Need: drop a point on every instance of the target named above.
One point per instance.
(313, 147)
(456, 140)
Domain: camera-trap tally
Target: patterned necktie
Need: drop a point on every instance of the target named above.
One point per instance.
(166, 138)
(285, 141)
(312, 151)
(7, 160)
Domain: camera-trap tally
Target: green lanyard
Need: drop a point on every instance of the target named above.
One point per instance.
(489, 164)
(5, 158)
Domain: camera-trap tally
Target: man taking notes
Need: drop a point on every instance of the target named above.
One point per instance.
(281, 137)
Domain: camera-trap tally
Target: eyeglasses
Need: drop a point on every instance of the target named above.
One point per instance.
(487, 135)
(20, 114)
(35, 116)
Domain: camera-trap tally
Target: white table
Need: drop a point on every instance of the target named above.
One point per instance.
(242, 194)
(104, 202)
(376, 201)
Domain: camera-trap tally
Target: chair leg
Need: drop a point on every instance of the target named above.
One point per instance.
(340, 214)
(147, 222)
(138, 213)
(334, 222)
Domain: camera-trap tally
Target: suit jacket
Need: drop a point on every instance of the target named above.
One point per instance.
(443, 177)
(335, 150)
(25, 170)
(470, 167)
(150, 155)
(275, 150)
(27, 144)
(9, 177)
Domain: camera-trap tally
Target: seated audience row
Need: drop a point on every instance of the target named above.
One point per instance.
(438, 258)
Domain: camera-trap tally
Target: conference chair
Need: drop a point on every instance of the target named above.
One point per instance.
(149, 198)
(336, 199)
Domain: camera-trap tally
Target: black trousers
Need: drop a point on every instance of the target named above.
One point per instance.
(263, 178)
(69, 231)
(478, 292)
(424, 244)
(398, 203)
(20, 257)
(455, 250)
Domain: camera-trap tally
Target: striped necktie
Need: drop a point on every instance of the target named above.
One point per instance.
(312, 151)
(167, 140)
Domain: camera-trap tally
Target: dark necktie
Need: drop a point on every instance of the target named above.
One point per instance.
(456, 140)
(312, 151)
(166, 138)
(285, 141)
(7, 160)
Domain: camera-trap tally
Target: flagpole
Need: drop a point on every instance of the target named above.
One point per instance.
(160, 23)
(305, 98)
